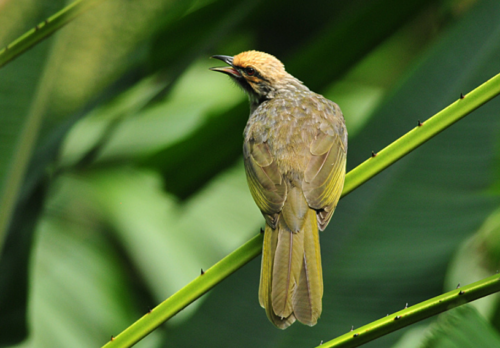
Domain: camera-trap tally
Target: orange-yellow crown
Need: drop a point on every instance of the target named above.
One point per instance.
(267, 65)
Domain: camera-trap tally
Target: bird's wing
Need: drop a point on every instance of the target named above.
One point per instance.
(264, 179)
(325, 172)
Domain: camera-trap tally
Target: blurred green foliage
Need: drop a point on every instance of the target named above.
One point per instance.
(121, 172)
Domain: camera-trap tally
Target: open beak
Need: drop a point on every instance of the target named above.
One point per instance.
(230, 70)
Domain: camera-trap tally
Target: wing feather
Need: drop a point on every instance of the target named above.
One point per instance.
(265, 180)
(324, 176)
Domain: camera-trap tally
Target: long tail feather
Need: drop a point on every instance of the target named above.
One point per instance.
(266, 280)
(307, 304)
(286, 269)
(291, 283)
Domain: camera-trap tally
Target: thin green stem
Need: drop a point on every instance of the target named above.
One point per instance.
(44, 30)
(416, 313)
(420, 134)
(354, 179)
(191, 292)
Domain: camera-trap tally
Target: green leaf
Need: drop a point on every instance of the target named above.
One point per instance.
(463, 327)
(349, 38)
(36, 105)
(197, 32)
(19, 125)
(131, 201)
(476, 258)
(77, 275)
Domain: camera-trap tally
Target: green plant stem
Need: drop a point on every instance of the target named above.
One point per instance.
(416, 313)
(420, 134)
(44, 30)
(354, 179)
(188, 294)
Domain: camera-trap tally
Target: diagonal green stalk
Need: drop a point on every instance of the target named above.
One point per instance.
(354, 179)
(44, 30)
(188, 294)
(420, 134)
(416, 313)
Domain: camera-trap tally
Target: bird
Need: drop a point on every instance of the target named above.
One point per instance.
(294, 150)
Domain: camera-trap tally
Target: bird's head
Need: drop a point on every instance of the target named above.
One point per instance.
(258, 73)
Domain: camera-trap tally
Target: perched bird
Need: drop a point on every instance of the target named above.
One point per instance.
(295, 146)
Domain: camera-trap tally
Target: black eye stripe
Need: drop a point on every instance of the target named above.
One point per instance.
(255, 73)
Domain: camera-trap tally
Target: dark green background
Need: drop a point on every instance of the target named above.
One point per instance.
(136, 179)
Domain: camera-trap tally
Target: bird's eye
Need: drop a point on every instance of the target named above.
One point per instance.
(250, 71)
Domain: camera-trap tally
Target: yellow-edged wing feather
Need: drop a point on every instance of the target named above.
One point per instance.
(265, 180)
(324, 176)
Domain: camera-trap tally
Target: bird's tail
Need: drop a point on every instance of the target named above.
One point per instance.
(291, 281)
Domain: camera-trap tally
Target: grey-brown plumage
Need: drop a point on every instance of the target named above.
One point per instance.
(295, 146)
